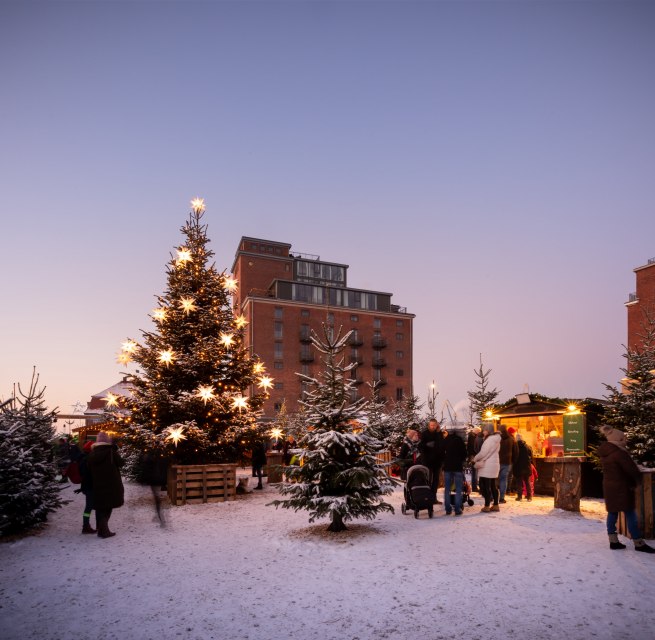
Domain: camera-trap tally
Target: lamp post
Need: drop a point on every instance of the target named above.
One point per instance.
(432, 400)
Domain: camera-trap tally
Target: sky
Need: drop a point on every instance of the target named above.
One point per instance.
(246, 571)
(491, 164)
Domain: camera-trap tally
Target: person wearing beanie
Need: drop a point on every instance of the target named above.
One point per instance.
(108, 493)
(620, 478)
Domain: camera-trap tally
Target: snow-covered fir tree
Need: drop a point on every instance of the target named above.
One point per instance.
(377, 423)
(632, 409)
(198, 391)
(338, 476)
(29, 490)
(481, 398)
(404, 413)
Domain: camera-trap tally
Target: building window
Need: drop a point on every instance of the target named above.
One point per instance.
(279, 351)
(400, 355)
(354, 318)
(400, 336)
(353, 395)
(330, 318)
(279, 385)
(277, 330)
(278, 365)
(277, 406)
(399, 393)
(304, 369)
(279, 311)
(377, 323)
(304, 313)
(400, 373)
(399, 323)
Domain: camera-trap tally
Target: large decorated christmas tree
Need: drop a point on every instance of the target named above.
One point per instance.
(338, 475)
(198, 391)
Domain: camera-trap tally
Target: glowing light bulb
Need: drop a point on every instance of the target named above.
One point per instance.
(159, 314)
(198, 205)
(227, 339)
(240, 322)
(123, 358)
(258, 367)
(265, 382)
(205, 392)
(111, 399)
(188, 304)
(166, 356)
(183, 255)
(276, 433)
(175, 434)
(129, 346)
(240, 403)
(231, 284)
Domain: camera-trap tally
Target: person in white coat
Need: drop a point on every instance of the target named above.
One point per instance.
(487, 463)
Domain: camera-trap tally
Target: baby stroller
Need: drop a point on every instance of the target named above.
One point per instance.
(418, 494)
(466, 494)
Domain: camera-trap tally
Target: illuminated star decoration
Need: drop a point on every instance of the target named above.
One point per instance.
(175, 434)
(231, 284)
(276, 433)
(239, 403)
(265, 382)
(111, 399)
(129, 346)
(188, 304)
(227, 339)
(166, 356)
(198, 205)
(183, 255)
(123, 358)
(240, 322)
(159, 314)
(258, 367)
(205, 392)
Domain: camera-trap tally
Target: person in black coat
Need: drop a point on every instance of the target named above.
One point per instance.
(431, 450)
(86, 487)
(408, 454)
(454, 457)
(523, 469)
(258, 461)
(108, 493)
(153, 471)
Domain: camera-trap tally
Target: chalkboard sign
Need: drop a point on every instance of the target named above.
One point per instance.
(574, 434)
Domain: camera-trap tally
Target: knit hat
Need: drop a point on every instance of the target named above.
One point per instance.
(87, 445)
(614, 436)
(511, 430)
(102, 437)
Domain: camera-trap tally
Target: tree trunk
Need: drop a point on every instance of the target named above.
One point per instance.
(337, 523)
(567, 484)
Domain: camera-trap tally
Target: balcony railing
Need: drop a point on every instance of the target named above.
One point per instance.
(380, 382)
(379, 362)
(305, 335)
(357, 359)
(358, 381)
(306, 356)
(632, 297)
(355, 340)
(379, 342)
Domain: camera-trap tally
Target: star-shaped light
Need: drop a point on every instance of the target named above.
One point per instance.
(129, 346)
(188, 304)
(240, 322)
(175, 434)
(123, 358)
(205, 392)
(183, 255)
(166, 356)
(231, 284)
(240, 402)
(265, 382)
(258, 367)
(227, 339)
(276, 433)
(111, 399)
(159, 314)
(198, 205)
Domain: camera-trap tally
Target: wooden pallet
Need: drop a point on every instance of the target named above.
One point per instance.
(197, 483)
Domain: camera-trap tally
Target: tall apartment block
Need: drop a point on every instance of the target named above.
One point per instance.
(641, 302)
(284, 296)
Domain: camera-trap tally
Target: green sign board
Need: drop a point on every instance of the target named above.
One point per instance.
(574, 434)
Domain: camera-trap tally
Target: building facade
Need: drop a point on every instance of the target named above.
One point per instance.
(285, 296)
(641, 302)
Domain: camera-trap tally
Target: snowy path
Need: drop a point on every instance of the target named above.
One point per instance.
(242, 570)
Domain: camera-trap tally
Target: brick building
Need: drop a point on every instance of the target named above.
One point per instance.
(640, 302)
(285, 295)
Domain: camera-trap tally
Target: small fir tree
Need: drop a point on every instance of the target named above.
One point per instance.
(29, 490)
(482, 398)
(338, 475)
(377, 423)
(404, 414)
(632, 409)
(194, 398)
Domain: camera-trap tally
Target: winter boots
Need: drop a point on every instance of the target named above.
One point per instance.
(614, 542)
(640, 545)
(495, 507)
(86, 528)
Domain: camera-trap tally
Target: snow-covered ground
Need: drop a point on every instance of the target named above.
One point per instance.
(243, 570)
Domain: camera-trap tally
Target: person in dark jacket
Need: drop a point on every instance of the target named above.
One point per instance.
(408, 455)
(620, 478)
(86, 488)
(523, 469)
(455, 455)
(108, 493)
(431, 450)
(473, 444)
(507, 455)
(258, 461)
(153, 470)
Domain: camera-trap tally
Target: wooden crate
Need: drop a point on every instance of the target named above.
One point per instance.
(384, 457)
(644, 505)
(195, 483)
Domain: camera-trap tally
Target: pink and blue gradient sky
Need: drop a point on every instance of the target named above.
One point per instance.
(491, 164)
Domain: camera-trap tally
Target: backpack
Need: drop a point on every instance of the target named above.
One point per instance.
(73, 472)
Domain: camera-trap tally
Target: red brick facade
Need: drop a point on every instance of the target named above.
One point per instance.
(641, 302)
(279, 324)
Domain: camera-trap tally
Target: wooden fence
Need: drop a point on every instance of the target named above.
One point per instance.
(196, 483)
(644, 504)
